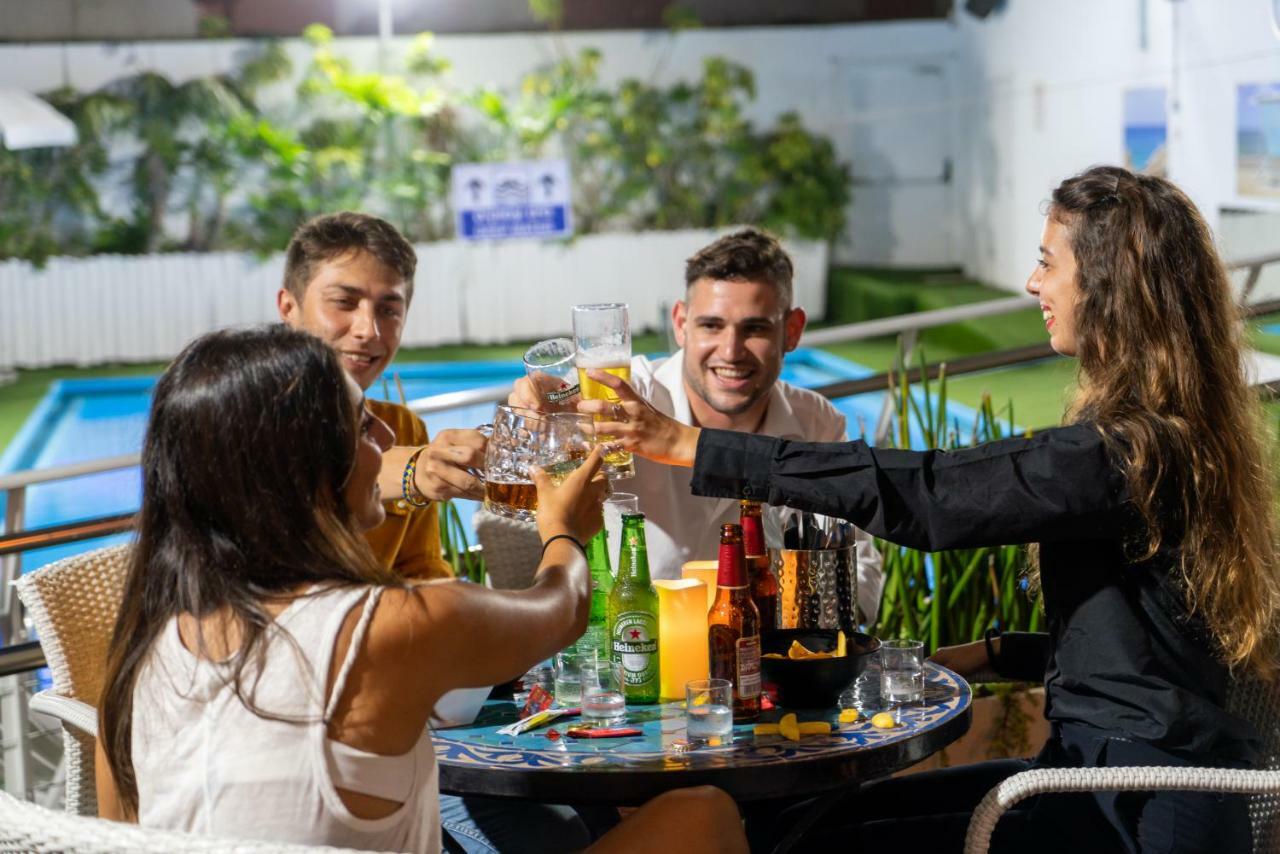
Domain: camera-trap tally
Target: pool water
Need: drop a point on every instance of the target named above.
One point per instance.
(80, 420)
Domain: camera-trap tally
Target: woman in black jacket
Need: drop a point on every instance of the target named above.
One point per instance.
(1151, 510)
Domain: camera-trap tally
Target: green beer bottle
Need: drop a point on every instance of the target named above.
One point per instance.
(633, 615)
(597, 636)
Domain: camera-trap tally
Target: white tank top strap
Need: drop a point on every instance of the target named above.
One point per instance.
(357, 638)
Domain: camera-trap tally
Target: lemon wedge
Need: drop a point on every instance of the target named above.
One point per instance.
(883, 720)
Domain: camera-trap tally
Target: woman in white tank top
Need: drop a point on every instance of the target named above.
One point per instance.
(267, 678)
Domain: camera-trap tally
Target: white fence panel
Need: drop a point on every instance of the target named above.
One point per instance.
(87, 311)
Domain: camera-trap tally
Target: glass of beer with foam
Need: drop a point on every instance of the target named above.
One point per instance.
(602, 335)
(516, 443)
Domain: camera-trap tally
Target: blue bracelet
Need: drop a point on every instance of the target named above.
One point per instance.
(407, 485)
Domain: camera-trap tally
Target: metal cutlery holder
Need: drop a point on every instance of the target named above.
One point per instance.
(817, 588)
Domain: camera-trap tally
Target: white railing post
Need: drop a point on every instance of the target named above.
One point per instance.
(13, 698)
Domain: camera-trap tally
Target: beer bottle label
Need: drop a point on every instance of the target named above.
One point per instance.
(748, 682)
(635, 644)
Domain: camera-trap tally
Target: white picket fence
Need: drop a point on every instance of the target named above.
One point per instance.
(86, 311)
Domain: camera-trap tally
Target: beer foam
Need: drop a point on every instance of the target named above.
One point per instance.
(619, 358)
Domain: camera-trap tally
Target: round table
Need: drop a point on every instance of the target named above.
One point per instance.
(476, 760)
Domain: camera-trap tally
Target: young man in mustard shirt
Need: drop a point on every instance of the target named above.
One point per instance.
(348, 280)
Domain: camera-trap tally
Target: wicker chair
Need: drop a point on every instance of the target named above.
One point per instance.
(73, 604)
(1251, 699)
(511, 550)
(27, 827)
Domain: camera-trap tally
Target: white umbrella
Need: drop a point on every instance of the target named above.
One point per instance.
(28, 122)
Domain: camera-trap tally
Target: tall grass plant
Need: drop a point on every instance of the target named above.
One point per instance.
(950, 597)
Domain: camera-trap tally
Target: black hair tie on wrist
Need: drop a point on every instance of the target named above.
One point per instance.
(568, 537)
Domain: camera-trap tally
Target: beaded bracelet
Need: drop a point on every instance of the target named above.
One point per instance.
(407, 485)
(570, 537)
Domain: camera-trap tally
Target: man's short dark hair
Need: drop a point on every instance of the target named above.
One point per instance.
(331, 236)
(750, 255)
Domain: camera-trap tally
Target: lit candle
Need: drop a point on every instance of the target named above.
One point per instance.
(682, 633)
(705, 571)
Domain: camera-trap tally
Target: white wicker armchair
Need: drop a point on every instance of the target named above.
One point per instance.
(26, 827)
(73, 604)
(511, 550)
(1257, 701)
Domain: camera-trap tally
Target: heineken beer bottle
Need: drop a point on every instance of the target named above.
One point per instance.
(633, 615)
(597, 636)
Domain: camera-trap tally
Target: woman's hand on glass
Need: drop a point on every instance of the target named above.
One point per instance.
(633, 424)
(969, 660)
(574, 507)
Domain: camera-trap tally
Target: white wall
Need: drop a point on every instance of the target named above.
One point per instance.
(1043, 86)
(874, 88)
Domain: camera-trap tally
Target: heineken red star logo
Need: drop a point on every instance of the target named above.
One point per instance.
(635, 634)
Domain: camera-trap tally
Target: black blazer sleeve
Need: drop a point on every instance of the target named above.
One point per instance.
(1057, 485)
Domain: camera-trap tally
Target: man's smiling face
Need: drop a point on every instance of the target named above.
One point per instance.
(355, 304)
(734, 334)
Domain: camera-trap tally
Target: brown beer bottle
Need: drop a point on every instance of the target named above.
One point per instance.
(764, 584)
(733, 628)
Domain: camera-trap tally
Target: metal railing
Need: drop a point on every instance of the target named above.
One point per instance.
(18, 540)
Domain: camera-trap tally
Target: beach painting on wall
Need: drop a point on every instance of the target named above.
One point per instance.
(1258, 140)
(1146, 131)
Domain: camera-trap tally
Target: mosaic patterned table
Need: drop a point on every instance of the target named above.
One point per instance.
(476, 760)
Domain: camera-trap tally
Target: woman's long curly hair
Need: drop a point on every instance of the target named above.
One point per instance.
(1159, 339)
(251, 438)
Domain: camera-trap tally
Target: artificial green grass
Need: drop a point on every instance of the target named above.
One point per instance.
(20, 397)
(1038, 391)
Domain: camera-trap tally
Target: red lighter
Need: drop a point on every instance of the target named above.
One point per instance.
(603, 732)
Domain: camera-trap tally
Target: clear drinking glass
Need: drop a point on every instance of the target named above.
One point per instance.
(517, 440)
(604, 700)
(568, 677)
(550, 367)
(901, 672)
(566, 444)
(708, 711)
(602, 336)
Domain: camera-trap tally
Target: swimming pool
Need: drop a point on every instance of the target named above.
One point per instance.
(80, 420)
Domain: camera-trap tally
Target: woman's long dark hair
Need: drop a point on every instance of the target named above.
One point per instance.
(1159, 338)
(252, 436)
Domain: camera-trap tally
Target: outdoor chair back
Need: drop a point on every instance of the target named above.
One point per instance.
(73, 604)
(1250, 698)
(511, 549)
(25, 826)
(1258, 702)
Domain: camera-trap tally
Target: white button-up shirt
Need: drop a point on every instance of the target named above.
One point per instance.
(680, 526)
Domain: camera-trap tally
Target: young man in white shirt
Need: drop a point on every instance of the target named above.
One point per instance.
(733, 326)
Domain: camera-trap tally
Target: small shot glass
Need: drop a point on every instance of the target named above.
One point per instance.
(708, 711)
(604, 701)
(901, 672)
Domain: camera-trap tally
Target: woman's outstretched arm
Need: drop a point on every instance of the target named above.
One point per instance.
(1059, 484)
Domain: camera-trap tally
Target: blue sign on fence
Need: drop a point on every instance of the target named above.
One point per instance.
(497, 201)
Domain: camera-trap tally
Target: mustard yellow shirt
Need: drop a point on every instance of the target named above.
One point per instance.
(409, 540)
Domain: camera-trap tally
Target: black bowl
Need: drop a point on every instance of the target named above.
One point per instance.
(814, 683)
